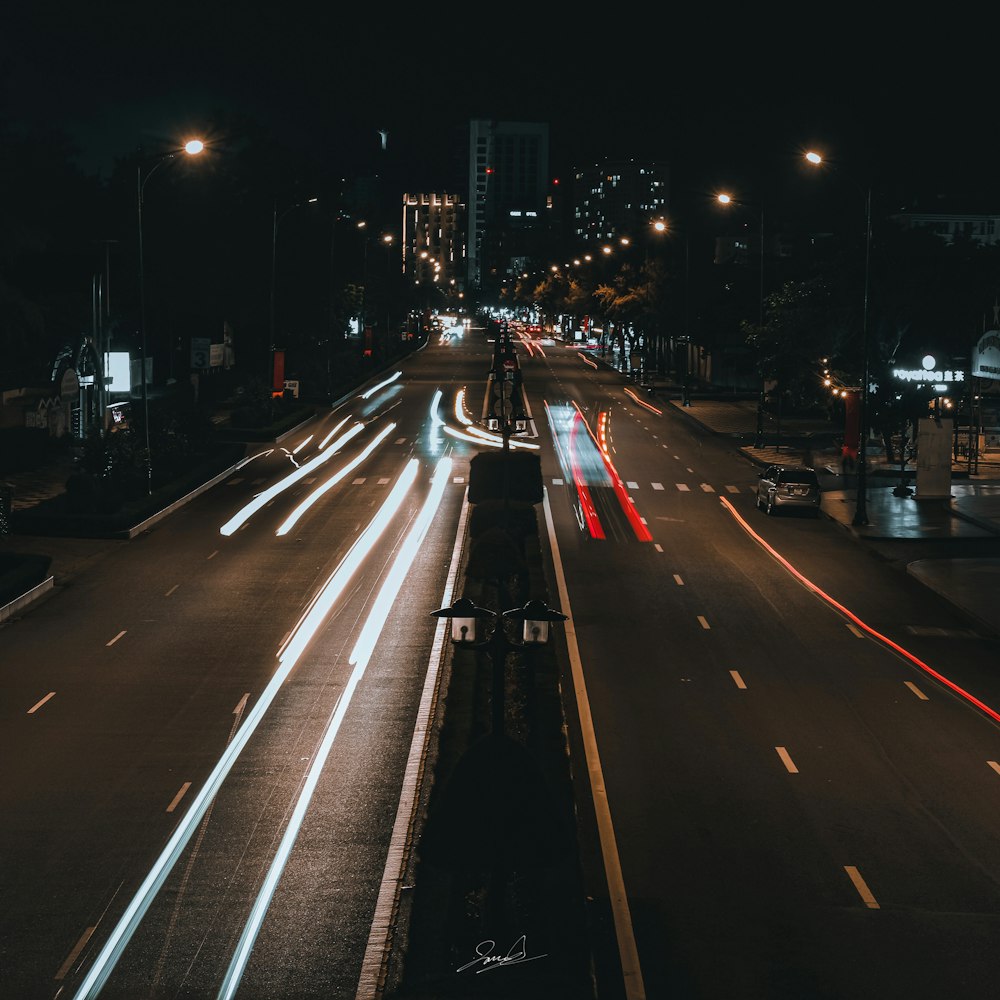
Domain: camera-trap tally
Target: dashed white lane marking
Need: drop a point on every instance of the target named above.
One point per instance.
(913, 687)
(994, 765)
(703, 622)
(234, 482)
(74, 954)
(859, 883)
(632, 486)
(171, 590)
(38, 704)
(557, 482)
(180, 794)
(733, 489)
(400, 441)
(705, 488)
(678, 580)
(677, 457)
(657, 546)
(384, 480)
(854, 628)
(740, 683)
(683, 487)
(657, 486)
(310, 480)
(786, 759)
(117, 637)
(359, 481)
(258, 481)
(212, 556)
(458, 479)
(691, 471)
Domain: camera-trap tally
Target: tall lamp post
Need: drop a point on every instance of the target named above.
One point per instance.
(726, 199)
(861, 503)
(387, 240)
(276, 221)
(191, 148)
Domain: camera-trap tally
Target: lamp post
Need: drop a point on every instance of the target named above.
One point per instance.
(861, 500)
(276, 221)
(726, 199)
(192, 147)
(469, 622)
(387, 240)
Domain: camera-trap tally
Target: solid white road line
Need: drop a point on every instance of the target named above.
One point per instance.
(177, 798)
(621, 913)
(859, 883)
(787, 760)
(913, 687)
(740, 683)
(116, 638)
(38, 704)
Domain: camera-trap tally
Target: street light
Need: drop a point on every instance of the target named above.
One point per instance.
(193, 147)
(387, 240)
(726, 199)
(276, 221)
(469, 623)
(861, 500)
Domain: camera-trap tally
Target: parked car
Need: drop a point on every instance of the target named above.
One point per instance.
(791, 486)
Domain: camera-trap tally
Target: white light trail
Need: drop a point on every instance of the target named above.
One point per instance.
(311, 621)
(387, 594)
(292, 518)
(407, 553)
(375, 388)
(304, 443)
(460, 408)
(322, 443)
(436, 420)
(122, 932)
(244, 515)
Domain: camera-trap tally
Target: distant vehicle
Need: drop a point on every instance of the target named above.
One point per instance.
(791, 486)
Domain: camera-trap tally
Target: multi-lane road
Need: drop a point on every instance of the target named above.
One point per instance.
(206, 739)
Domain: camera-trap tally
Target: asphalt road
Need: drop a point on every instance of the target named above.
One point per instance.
(122, 695)
(799, 810)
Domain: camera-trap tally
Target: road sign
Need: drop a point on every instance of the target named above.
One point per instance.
(201, 350)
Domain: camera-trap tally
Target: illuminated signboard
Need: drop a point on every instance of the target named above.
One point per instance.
(929, 372)
(118, 374)
(986, 358)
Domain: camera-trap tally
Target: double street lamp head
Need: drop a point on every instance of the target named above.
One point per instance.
(535, 617)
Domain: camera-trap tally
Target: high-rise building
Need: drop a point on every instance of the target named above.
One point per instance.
(508, 199)
(434, 244)
(618, 198)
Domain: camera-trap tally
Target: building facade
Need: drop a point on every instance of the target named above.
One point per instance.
(508, 199)
(617, 198)
(434, 254)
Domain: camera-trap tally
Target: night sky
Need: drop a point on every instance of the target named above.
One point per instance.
(720, 98)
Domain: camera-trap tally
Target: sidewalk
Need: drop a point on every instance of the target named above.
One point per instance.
(947, 544)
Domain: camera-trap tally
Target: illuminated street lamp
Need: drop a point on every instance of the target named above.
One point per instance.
(861, 503)
(727, 199)
(469, 628)
(193, 147)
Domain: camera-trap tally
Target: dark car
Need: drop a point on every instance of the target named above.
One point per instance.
(791, 486)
